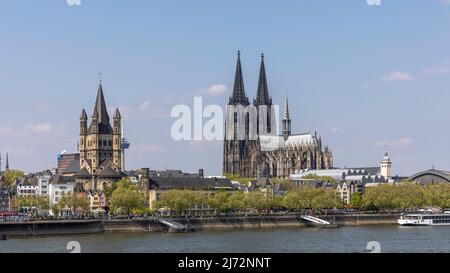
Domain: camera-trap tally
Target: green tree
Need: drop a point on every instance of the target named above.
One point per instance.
(39, 203)
(11, 175)
(127, 198)
(356, 200)
(219, 201)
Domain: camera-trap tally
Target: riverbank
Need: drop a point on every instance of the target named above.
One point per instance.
(38, 228)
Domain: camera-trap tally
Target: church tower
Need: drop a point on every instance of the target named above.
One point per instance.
(237, 150)
(100, 143)
(286, 120)
(386, 166)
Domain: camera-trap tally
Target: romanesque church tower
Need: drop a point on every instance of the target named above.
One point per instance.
(100, 152)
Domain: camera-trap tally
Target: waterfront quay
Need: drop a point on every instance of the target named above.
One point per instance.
(98, 226)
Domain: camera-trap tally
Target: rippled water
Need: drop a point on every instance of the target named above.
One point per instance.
(346, 239)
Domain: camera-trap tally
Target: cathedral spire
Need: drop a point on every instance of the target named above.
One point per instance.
(7, 162)
(238, 96)
(286, 120)
(286, 108)
(262, 95)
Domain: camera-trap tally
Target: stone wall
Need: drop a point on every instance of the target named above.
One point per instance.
(219, 223)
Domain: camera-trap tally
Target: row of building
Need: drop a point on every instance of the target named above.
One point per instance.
(61, 182)
(100, 160)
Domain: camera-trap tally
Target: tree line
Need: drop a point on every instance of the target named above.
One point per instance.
(404, 196)
(180, 201)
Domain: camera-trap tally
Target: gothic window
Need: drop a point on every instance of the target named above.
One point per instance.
(104, 142)
(109, 143)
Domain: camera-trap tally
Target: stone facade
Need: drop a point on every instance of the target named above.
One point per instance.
(268, 154)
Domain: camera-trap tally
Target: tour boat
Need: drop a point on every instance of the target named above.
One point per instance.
(441, 219)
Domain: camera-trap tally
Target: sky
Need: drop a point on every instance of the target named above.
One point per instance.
(363, 76)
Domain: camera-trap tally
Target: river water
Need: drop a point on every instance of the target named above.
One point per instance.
(346, 239)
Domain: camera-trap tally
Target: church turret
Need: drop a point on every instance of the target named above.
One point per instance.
(94, 123)
(83, 134)
(286, 120)
(83, 122)
(386, 166)
(117, 139)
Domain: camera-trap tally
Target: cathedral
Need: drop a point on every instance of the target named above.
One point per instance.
(100, 147)
(268, 154)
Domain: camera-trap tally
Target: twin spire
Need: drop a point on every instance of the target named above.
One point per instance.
(262, 95)
(239, 96)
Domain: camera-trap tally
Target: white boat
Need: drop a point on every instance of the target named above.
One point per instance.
(441, 219)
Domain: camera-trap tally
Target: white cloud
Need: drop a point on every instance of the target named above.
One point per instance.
(397, 76)
(216, 89)
(8, 130)
(335, 129)
(144, 105)
(404, 141)
(40, 127)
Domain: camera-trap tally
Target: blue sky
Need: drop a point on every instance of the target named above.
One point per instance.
(361, 76)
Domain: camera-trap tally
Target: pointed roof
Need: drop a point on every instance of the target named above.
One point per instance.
(83, 114)
(238, 96)
(7, 162)
(262, 95)
(100, 106)
(286, 108)
(117, 114)
(101, 113)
